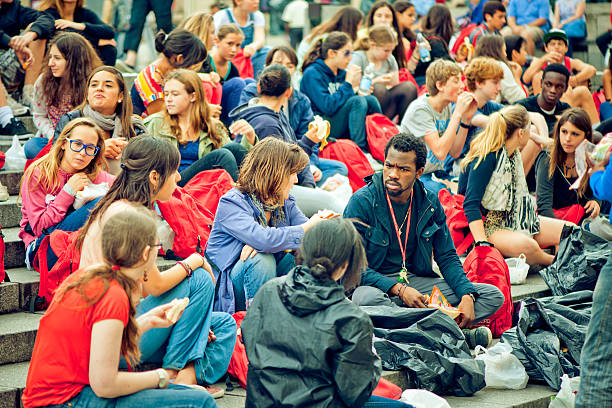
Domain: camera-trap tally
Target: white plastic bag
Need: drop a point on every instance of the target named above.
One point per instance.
(339, 186)
(90, 192)
(15, 156)
(423, 399)
(502, 368)
(518, 269)
(566, 397)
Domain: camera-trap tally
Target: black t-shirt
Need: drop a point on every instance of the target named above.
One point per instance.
(393, 263)
(531, 104)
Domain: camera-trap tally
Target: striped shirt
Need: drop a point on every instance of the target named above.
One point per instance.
(150, 85)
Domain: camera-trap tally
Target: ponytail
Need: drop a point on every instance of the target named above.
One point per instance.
(321, 268)
(331, 41)
(181, 42)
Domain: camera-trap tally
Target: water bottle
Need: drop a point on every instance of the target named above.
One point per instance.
(366, 80)
(423, 50)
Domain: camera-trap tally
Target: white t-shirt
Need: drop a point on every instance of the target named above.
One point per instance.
(295, 14)
(421, 119)
(360, 58)
(221, 18)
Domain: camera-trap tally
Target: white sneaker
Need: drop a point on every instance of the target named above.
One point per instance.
(17, 108)
(4, 195)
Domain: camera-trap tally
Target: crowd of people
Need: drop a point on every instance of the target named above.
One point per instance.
(477, 112)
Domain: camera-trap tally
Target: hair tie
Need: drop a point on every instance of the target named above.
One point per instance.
(323, 38)
(123, 166)
(115, 267)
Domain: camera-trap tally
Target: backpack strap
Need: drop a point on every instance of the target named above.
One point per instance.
(229, 15)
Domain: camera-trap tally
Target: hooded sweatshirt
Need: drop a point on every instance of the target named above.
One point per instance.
(308, 345)
(267, 122)
(327, 91)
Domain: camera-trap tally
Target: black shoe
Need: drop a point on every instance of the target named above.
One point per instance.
(14, 127)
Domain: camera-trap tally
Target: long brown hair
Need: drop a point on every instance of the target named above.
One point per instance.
(81, 59)
(49, 164)
(267, 168)
(398, 52)
(332, 41)
(579, 118)
(142, 155)
(124, 108)
(200, 117)
(125, 236)
(439, 22)
(346, 19)
(58, 5)
(491, 45)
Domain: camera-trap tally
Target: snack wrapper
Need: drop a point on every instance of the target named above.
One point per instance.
(90, 192)
(438, 301)
(322, 129)
(601, 149)
(596, 153)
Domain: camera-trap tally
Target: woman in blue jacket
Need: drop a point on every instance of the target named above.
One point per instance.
(257, 223)
(330, 86)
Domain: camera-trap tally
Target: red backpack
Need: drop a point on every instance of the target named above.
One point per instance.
(464, 33)
(191, 210)
(456, 220)
(485, 264)
(349, 153)
(379, 130)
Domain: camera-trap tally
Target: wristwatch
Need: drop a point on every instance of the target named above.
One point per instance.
(164, 378)
(474, 296)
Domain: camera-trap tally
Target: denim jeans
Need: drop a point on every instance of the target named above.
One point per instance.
(605, 110)
(187, 340)
(329, 168)
(430, 184)
(226, 158)
(259, 60)
(33, 146)
(230, 98)
(175, 396)
(596, 356)
(349, 120)
(140, 8)
(248, 276)
(380, 402)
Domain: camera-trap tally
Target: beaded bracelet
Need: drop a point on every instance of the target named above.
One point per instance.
(186, 267)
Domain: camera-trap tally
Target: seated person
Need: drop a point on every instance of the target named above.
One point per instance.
(577, 93)
(556, 168)
(601, 184)
(265, 115)
(73, 16)
(344, 368)
(61, 85)
(299, 110)
(516, 53)
(605, 109)
(432, 118)
(493, 182)
(331, 88)
(50, 185)
(197, 349)
(179, 49)
(186, 121)
(79, 367)
(246, 15)
(494, 13)
(257, 222)
(569, 17)
(529, 19)
(403, 224)
(438, 27)
(22, 53)
(228, 40)
(394, 96)
(110, 107)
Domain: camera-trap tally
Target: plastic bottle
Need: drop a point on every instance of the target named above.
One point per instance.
(423, 50)
(366, 80)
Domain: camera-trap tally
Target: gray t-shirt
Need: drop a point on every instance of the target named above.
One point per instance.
(361, 60)
(420, 120)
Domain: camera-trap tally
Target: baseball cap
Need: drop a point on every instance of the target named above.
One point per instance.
(555, 34)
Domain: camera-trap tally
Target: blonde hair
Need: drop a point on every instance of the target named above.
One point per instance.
(58, 5)
(480, 69)
(200, 117)
(379, 34)
(49, 164)
(440, 71)
(199, 24)
(500, 128)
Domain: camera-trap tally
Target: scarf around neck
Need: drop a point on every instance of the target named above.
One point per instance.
(110, 123)
(277, 212)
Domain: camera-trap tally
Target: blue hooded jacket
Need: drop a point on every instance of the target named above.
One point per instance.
(327, 92)
(601, 184)
(266, 122)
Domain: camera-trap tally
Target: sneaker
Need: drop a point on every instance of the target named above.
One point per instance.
(480, 336)
(17, 108)
(215, 392)
(124, 67)
(14, 127)
(4, 195)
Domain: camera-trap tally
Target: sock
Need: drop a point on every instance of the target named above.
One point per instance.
(6, 114)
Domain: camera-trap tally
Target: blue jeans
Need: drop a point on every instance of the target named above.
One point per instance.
(430, 184)
(596, 356)
(329, 168)
(248, 276)
(380, 402)
(187, 340)
(605, 111)
(349, 120)
(175, 396)
(33, 146)
(230, 98)
(259, 60)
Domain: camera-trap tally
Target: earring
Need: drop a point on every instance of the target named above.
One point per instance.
(145, 276)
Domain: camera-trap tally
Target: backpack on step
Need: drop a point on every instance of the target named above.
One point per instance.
(485, 264)
(379, 129)
(349, 153)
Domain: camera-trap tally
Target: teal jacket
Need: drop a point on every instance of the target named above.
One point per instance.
(370, 206)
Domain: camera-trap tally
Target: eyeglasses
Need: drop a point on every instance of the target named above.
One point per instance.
(157, 245)
(401, 169)
(77, 146)
(348, 53)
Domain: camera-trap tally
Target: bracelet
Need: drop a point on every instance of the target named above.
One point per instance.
(463, 125)
(185, 266)
(473, 297)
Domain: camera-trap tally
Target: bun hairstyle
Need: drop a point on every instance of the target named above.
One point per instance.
(332, 41)
(328, 246)
(274, 80)
(378, 34)
(181, 42)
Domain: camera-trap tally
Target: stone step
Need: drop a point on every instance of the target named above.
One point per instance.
(12, 382)
(17, 334)
(10, 213)
(14, 255)
(28, 282)
(12, 180)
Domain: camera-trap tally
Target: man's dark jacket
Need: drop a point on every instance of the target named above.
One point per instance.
(369, 205)
(14, 17)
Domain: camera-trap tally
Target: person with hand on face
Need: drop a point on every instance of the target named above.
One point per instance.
(187, 351)
(108, 105)
(332, 88)
(432, 118)
(258, 223)
(50, 185)
(403, 224)
(77, 366)
(202, 140)
(556, 169)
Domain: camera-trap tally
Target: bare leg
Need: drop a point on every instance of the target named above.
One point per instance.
(130, 58)
(514, 243)
(32, 73)
(187, 375)
(550, 231)
(3, 101)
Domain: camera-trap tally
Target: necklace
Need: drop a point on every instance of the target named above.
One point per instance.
(403, 274)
